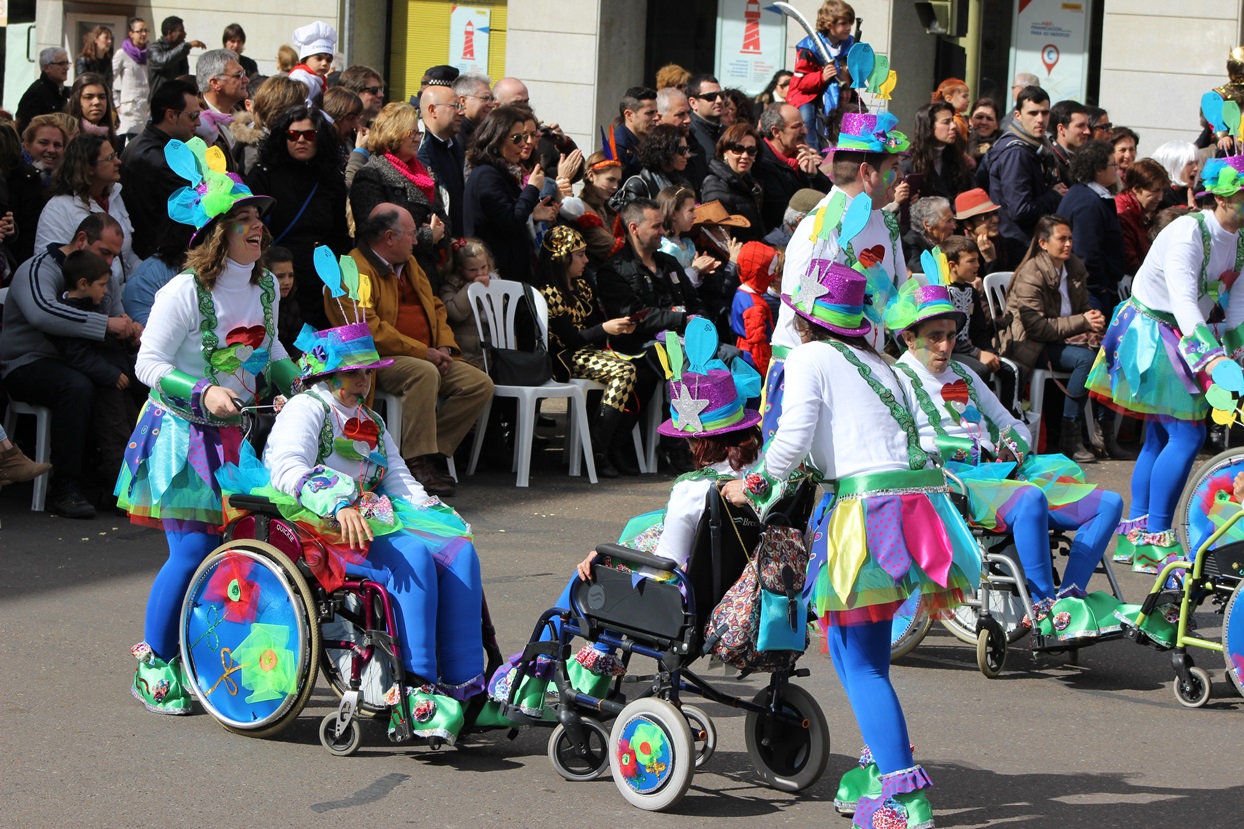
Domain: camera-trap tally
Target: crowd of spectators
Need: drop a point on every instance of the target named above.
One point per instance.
(468, 182)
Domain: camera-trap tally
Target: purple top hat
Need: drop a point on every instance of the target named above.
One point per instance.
(706, 404)
(344, 348)
(832, 295)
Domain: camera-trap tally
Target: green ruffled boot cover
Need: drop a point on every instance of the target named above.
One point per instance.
(432, 714)
(489, 716)
(1162, 625)
(1103, 605)
(1128, 531)
(900, 803)
(1153, 550)
(863, 781)
(531, 696)
(160, 686)
(1073, 619)
(592, 671)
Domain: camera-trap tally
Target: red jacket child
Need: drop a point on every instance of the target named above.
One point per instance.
(751, 317)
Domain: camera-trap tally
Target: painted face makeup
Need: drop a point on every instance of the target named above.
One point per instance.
(889, 177)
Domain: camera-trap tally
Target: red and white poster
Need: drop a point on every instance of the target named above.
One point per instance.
(1051, 42)
(468, 39)
(751, 44)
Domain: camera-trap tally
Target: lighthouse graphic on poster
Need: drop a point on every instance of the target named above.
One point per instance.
(751, 28)
(468, 38)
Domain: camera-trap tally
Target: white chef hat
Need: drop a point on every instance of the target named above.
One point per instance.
(316, 38)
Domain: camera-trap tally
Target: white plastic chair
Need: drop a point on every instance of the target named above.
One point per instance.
(43, 435)
(494, 308)
(572, 436)
(1125, 288)
(392, 414)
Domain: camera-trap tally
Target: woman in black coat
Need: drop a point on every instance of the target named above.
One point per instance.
(730, 181)
(298, 166)
(394, 174)
(663, 156)
(498, 206)
(1096, 235)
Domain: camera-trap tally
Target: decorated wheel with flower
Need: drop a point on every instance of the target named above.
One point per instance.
(652, 754)
(1233, 637)
(248, 638)
(1207, 502)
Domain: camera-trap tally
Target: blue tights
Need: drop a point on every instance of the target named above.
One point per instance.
(438, 602)
(861, 655)
(1093, 519)
(1170, 447)
(186, 552)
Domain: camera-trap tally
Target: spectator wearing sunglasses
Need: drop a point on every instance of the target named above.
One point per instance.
(663, 157)
(498, 205)
(704, 95)
(730, 180)
(366, 83)
(298, 166)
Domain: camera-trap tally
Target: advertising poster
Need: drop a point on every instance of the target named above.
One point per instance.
(468, 39)
(751, 45)
(1051, 42)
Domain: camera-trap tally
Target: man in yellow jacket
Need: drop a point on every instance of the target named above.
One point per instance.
(409, 324)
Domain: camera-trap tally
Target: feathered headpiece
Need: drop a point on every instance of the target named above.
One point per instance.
(608, 146)
(212, 192)
(918, 302)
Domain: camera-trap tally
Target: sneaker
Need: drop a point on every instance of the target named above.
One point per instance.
(70, 503)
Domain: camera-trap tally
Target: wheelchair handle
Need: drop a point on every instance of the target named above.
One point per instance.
(963, 489)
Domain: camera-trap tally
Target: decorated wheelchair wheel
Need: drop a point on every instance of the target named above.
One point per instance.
(248, 638)
(910, 625)
(790, 756)
(1203, 505)
(651, 754)
(1233, 638)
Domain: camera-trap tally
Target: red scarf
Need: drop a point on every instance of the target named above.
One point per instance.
(416, 174)
(792, 162)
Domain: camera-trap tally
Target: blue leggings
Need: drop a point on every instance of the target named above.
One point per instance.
(861, 655)
(438, 600)
(1170, 447)
(186, 552)
(1092, 518)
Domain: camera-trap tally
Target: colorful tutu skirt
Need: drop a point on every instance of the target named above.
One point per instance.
(879, 538)
(441, 530)
(1140, 371)
(168, 478)
(992, 491)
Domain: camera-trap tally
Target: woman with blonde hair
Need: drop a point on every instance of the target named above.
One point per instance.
(672, 75)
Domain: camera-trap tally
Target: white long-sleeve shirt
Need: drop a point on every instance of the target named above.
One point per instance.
(992, 408)
(295, 441)
(801, 250)
(832, 417)
(172, 339)
(62, 215)
(682, 514)
(1169, 278)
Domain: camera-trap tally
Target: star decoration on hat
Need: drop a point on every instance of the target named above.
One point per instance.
(810, 289)
(689, 410)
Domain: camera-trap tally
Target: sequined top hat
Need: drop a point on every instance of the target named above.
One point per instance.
(917, 302)
(832, 295)
(344, 348)
(871, 132)
(212, 191)
(706, 397)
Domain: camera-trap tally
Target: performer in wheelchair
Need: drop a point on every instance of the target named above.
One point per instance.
(1020, 492)
(1165, 345)
(211, 340)
(332, 468)
(885, 528)
(707, 408)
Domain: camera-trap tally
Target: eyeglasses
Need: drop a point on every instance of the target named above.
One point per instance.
(237, 76)
(742, 149)
(372, 90)
(107, 158)
(684, 150)
(456, 105)
(708, 96)
(294, 135)
(193, 116)
(59, 63)
(415, 136)
(1106, 126)
(520, 138)
(485, 98)
(784, 83)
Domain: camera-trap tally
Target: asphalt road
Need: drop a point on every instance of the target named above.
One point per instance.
(1103, 744)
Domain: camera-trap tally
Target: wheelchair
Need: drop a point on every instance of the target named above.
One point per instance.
(995, 615)
(257, 624)
(656, 741)
(1206, 521)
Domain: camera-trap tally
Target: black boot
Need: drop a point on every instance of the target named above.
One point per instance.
(604, 427)
(1073, 443)
(1113, 449)
(622, 447)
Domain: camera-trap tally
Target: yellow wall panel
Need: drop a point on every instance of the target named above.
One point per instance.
(420, 38)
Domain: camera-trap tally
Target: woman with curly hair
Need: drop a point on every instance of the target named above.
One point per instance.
(299, 167)
(90, 106)
(938, 153)
(662, 158)
(87, 181)
(268, 99)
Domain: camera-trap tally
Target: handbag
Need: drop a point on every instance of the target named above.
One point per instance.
(513, 367)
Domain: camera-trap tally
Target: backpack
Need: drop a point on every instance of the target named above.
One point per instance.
(761, 624)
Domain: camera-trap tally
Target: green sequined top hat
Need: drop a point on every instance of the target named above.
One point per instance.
(212, 192)
(1223, 176)
(706, 397)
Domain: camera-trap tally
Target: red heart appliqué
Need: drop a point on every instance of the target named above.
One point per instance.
(871, 256)
(364, 430)
(252, 336)
(956, 392)
(1228, 278)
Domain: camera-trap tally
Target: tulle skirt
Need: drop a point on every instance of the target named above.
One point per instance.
(992, 491)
